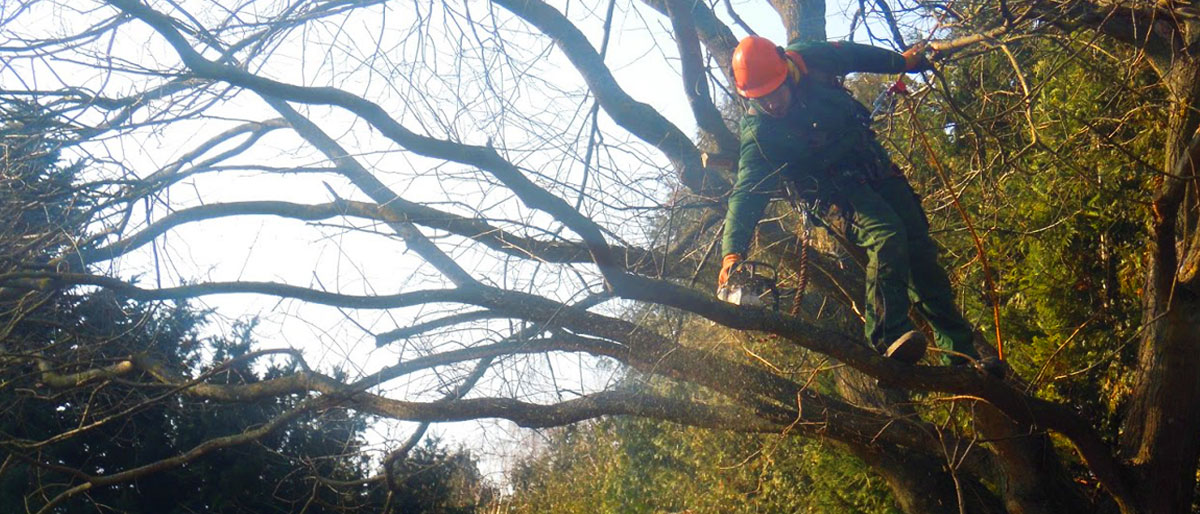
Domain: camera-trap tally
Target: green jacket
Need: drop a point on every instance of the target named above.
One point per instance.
(824, 132)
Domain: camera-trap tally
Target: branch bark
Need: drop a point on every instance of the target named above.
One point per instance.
(695, 81)
(638, 118)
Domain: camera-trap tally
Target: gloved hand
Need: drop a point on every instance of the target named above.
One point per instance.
(727, 265)
(916, 59)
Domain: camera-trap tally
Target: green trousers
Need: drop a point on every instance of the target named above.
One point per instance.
(902, 271)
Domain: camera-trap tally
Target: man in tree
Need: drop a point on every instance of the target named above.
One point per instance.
(805, 130)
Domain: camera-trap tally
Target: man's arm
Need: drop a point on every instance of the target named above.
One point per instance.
(757, 177)
(840, 58)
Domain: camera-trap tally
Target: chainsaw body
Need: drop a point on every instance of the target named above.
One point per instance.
(751, 283)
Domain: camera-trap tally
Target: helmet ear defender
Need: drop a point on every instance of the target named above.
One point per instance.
(796, 67)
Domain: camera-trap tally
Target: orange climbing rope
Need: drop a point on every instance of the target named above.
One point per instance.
(983, 260)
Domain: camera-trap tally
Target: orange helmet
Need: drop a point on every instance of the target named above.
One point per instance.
(758, 67)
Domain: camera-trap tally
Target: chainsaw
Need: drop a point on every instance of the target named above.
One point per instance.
(751, 283)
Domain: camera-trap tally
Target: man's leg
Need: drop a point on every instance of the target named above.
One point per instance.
(930, 288)
(878, 229)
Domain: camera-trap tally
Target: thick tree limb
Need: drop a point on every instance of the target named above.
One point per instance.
(1152, 29)
(638, 347)
(1021, 407)
(717, 37)
(44, 279)
(399, 211)
(376, 190)
(587, 407)
(638, 118)
(695, 81)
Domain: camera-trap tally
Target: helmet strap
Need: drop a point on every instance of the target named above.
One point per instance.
(794, 72)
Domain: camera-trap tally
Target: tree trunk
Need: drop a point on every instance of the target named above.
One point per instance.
(922, 485)
(804, 19)
(1032, 479)
(919, 482)
(1159, 437)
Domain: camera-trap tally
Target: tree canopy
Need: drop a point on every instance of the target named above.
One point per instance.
(447, 211)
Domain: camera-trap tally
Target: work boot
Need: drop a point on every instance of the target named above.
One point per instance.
(988, 366)
(908, 348)
(993, 367)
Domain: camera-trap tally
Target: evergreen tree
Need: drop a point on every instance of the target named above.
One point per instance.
(55, 422)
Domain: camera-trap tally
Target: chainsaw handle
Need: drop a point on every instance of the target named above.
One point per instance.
(752, 268)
